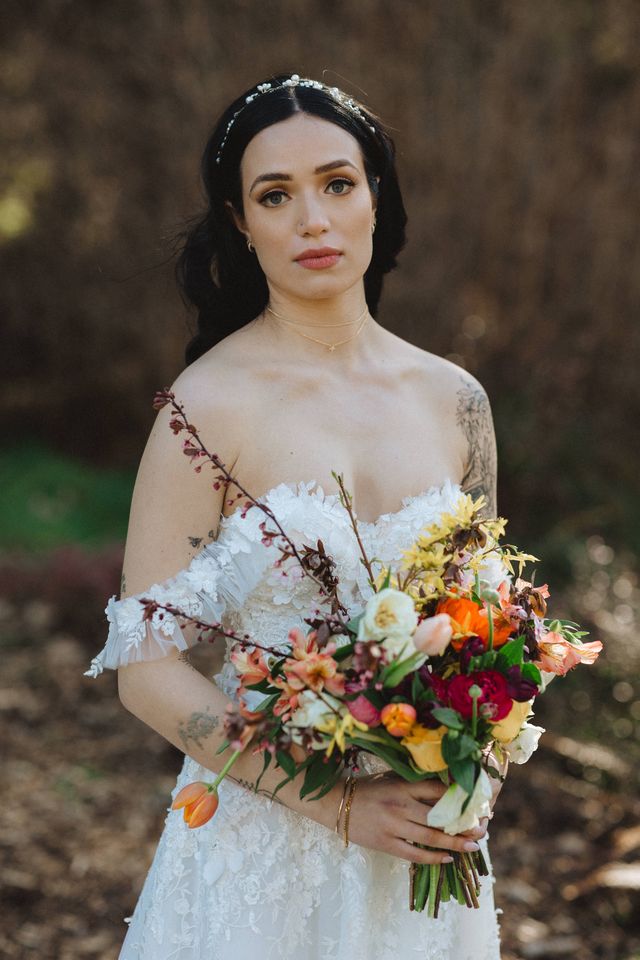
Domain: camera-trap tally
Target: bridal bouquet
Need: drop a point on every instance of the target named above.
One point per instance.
(436, 676)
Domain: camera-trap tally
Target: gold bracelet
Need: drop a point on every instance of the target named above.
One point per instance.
(344, 793)
(347, 810)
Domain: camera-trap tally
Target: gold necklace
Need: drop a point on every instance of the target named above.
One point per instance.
(362, 319)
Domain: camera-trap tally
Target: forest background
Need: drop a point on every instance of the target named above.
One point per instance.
(517, 128)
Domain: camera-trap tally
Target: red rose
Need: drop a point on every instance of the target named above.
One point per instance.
(495, 694)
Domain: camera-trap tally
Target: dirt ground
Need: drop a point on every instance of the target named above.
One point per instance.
(87, 786)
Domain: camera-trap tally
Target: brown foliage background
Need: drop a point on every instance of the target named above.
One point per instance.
(517, 126)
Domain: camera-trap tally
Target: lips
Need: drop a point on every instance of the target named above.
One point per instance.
(314, 254)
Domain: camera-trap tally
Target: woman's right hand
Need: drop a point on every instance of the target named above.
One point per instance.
(390, 815)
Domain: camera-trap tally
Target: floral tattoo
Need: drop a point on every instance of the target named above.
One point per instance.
(473, 416)
(198, 727)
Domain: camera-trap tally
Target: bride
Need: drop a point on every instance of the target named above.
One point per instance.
(289, 378)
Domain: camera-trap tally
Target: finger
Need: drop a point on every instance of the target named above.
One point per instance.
(431, 837)
(407, 851)
(427, 790)
(479, 831)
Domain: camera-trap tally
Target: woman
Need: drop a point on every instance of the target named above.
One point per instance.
(289, 378)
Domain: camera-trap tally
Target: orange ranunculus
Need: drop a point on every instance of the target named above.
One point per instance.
(398, 718)
(468, 619)
(425, 746)
(198, 801)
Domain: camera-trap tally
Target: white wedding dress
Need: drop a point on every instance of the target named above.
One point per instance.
(259, 881)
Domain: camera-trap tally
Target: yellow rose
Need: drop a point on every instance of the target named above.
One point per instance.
(508, 728)
(424, 746)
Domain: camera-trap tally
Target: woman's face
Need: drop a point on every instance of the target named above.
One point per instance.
(291, 205)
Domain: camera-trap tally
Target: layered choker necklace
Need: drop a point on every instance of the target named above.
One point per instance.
(360, 322)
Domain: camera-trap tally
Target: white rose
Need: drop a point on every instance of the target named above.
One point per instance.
(310, 712)
(447, 813)
(389, 614)
(526, 743)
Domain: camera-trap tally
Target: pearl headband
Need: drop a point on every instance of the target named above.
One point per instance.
(295, 81)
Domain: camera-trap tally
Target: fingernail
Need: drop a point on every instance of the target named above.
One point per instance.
(447, 860)
(470, 845)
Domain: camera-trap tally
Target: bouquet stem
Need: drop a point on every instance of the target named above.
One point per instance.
(432, 883)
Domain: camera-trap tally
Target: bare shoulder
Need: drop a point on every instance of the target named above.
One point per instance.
(175, 508)
(464, 409)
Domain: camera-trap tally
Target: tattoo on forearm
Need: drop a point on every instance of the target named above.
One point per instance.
(473, 416)
(251, 786)
(198, 727)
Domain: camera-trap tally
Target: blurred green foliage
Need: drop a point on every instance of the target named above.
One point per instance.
(49, 500)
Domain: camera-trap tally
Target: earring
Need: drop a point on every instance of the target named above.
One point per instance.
(373, 225)
(250, 246)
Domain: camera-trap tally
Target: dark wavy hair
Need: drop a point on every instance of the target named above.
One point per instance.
(215, 272)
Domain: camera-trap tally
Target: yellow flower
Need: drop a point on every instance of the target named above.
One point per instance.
(424, 745)
(338, 728)
(508, 729)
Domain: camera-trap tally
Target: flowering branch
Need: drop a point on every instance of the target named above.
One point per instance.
(195, 449)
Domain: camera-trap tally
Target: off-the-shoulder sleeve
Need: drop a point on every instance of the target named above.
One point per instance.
(218, 578)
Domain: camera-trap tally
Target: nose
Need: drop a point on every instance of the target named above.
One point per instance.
(312, 217)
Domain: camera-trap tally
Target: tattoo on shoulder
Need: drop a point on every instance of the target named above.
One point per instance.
(198, 727)
(195, 541)
(123, 583)
(473, 416)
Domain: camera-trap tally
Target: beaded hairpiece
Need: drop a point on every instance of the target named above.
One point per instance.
(295, 81)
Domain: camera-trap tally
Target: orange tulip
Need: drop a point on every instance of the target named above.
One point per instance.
(468, 619)
(198, 801)
(398, 718)
(189, 794)
(203, 810)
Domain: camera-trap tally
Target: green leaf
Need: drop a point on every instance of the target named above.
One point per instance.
(315, 776)
(464, 774)
(531, 672)
(510, 654)
(448, 717)
(467, 746)
(395, 672)
(387, 580)
(266, 762)
(331, 782)
(286, 761)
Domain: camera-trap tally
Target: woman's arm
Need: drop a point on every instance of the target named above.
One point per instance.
(174, 513)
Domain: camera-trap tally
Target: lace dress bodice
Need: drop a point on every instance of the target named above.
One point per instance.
(259, 879)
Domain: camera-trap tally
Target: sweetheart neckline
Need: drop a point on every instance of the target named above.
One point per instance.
(333, 499)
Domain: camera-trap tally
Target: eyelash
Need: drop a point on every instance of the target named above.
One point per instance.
(271, 193)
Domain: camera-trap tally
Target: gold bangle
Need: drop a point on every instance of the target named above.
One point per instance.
(347, 810)
(344, 793)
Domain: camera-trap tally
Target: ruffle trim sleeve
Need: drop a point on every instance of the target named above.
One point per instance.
(218, 578)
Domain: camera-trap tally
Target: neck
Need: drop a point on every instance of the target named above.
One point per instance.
(333, 331)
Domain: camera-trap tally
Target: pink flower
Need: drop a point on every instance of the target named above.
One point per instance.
(250, 665)
(315, 672)
(362, 709)
(557, 655)
(432, 635)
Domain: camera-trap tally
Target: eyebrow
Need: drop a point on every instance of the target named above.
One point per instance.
(287, 176)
